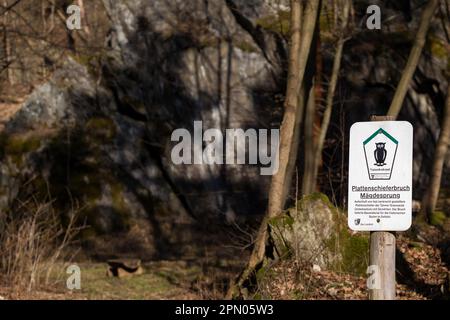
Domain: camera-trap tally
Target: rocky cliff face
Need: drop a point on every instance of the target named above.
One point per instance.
(373, 61)
(102, 139)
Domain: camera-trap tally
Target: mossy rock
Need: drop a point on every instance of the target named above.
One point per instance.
(100, 129)
(438, 218)
(355, 252)
(80, 175)
(91, 62)
(120, 206)
(279, 226)
(439, 49)
(17, 146)
(279, 23)
(264, 272)
(316, 232)
(245, 46)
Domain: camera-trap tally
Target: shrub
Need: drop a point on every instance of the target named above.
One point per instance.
(32, 240)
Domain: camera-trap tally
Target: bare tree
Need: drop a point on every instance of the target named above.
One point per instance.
(413, 59)
(346, 7)
(280, 181)
(312, 166)
(301, 38)
(307, 181)
(431, 195)
(7, 44)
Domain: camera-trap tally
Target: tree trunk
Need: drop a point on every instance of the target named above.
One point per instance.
(330, 94)
(413, 59)
(7, 46)
(301, 38)
(431, 196)
(84, 18)
(382, 255)
(296, 139)
(307, 181)
(277, 192)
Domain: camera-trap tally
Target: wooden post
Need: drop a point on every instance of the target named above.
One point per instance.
(382, 254)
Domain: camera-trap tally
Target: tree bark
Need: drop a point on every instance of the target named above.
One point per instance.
(277, 192)
(330, 94)
(413, 58)
(431, 195)
(382, 255)
(7, 46)
(301, 38)
(307, 181)
(84, 18)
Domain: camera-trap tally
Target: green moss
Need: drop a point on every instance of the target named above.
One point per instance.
(204, 42)
(77, 176)
(355, 254)
(318, 196)
(100, 129)
(258, 296)
(283, 220)
(353, 248)
(437, 47)
(279, 225)
(279, 22)
(18, 144)
(91, 62)
(245, 46)
(438, 218)
(119, 205)
(264, 272)
(120, 217)
(117, 197)
(354, 251)
(16, 147)
(416, 245)
(326, 23)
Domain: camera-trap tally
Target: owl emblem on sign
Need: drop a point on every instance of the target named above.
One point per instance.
(380, 154)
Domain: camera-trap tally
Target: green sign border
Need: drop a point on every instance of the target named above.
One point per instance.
(380, 131)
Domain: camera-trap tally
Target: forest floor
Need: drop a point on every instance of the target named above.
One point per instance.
(184, 280)
(426, 278)
(421, 275)
(422, 272)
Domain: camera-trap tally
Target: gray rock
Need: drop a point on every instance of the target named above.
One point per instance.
(315, 232)
(306, 232)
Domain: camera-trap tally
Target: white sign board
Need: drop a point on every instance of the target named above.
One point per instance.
(380, 176)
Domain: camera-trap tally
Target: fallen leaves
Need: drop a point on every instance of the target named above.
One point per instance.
(292, 280)
(424, 260)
